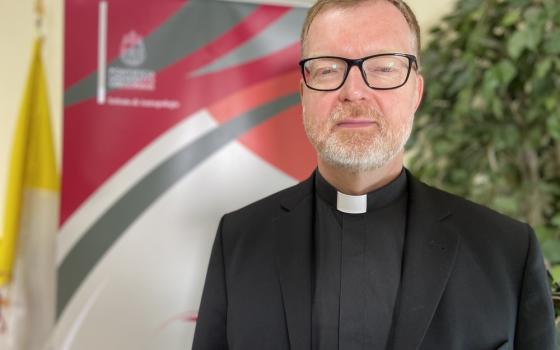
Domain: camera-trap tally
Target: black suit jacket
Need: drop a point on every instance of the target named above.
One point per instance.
(472, 279)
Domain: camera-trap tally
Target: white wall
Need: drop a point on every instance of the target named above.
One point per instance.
(17, 30)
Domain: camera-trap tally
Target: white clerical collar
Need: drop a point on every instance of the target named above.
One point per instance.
(351, 204)
(360, 204)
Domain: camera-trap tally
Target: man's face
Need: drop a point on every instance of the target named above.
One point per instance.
(356, 127)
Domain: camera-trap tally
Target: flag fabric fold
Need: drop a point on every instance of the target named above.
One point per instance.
(28, 233)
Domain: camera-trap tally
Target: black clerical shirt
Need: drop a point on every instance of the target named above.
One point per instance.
(358, 260)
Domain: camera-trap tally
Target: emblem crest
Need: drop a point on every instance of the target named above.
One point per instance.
(132, 49)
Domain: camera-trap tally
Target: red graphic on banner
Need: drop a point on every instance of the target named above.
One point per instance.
(281, 140)
(100, 139)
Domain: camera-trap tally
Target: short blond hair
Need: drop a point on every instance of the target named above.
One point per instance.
(322, 5)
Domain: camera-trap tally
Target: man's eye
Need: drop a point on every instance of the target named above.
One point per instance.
(326, 71)
(321, 69)
(383, 69)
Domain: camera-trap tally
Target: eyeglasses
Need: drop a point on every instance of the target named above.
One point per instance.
(380, 72)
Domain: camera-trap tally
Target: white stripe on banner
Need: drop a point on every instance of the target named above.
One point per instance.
(102, 53)
(125, 178)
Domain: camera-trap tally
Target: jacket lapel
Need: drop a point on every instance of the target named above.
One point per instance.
(429, 256)
(294, 234)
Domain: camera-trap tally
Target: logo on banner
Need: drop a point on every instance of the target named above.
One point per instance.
(132, 49)
(133, 54)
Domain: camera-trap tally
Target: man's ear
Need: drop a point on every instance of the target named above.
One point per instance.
(301, 90)
(419, 90)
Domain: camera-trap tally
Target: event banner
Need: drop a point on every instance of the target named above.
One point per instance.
(176, 112)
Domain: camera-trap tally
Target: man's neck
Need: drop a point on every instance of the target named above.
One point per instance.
(358, 183)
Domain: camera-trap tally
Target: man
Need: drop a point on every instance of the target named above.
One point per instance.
(362, 255)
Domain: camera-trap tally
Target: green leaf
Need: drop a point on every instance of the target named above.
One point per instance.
(551, 103)
(534, 14)
(552, 44)
(491, 82)
(551, 250)
(470, 5)
(511, 17)
(507, 205)
(534, 38)
(529, 38)
(460, 82)
(556, 220)
(553, 128)
(555, 271)
(498, 108)
(543, 67)
(544, 233)
(517, 43)
(506, 71)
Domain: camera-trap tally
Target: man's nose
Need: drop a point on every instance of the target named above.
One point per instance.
(354, 88)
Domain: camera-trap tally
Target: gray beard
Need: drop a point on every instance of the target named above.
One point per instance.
(355, 151)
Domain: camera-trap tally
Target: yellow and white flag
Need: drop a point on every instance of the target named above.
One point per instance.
(28, 233)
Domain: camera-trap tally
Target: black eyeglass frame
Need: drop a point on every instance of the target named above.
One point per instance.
(359, 63)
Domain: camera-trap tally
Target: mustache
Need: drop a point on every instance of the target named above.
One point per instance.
(356, 111)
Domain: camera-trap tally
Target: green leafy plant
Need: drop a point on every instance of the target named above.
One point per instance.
(489, 126)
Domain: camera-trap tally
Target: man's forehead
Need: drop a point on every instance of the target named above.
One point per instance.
(374, 26)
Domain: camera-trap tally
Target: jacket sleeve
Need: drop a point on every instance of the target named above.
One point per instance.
(535, 318)
(210, 332)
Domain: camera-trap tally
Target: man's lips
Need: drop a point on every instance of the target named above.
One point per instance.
(355, 123)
